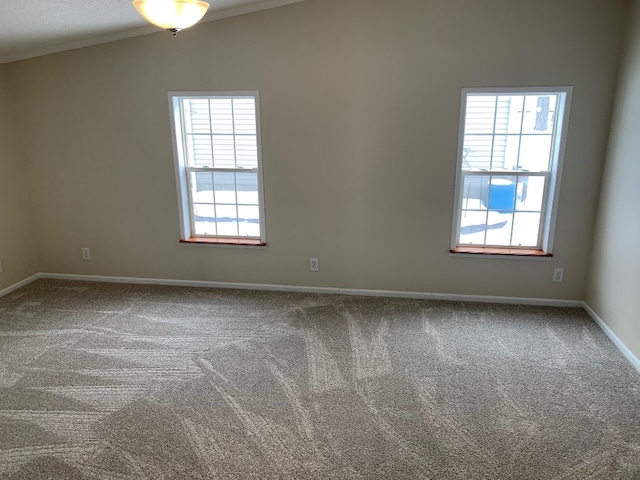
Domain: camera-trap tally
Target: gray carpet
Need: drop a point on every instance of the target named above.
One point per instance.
(144, 382)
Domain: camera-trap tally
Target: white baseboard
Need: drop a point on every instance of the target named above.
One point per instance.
(635, 361)
(20, 284)
(332, 290)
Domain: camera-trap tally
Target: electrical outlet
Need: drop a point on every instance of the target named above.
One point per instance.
(86, 253)
(558, 275)
(313, 264)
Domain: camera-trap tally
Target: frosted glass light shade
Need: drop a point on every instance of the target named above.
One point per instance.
(171, 14)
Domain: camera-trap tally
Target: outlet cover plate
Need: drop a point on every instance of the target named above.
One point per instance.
(313, 264)
(558, 275)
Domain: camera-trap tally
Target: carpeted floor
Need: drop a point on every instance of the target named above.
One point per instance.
(144, 382)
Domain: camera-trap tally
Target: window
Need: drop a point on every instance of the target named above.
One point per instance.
(509, 165)
(218, 167)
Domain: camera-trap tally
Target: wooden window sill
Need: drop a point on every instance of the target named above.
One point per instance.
(249, 242)
(514, 252)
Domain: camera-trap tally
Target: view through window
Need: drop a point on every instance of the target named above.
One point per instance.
(217, 140)
(509, 161)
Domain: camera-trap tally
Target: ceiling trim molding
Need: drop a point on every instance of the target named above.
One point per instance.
(211, 16)
(234, 12)
(39, 52)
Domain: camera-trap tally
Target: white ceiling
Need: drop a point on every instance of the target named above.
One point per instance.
(30, 28)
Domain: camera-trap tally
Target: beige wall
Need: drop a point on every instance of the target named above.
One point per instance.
(614, 287)
(17, 236)
(360, 107)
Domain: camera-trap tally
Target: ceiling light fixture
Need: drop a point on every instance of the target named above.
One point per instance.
(172, 15)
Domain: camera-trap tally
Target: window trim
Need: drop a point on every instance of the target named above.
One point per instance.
(550, 202)
(185, 212)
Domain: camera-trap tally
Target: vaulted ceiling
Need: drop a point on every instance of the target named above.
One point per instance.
(30, 28)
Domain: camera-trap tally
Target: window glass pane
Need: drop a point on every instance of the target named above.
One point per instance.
(221, 116)
(224, 151)
(501, 204)
(516, 104)
(204, 219)
(530, 193)
(502, 194)
(476, 154)
(499, 152)
(226, 217)
(247, 152)
(525, 229)
(473, 223)
(512, 152)
(247, 188)
(196, 115)
(499, 228)
(502, 114)
(539, 114)
(473, 227)
(219, 132)
(202, 187)
(475, 194)
(507, 135)
(249, 221)
(480, 114)
(535, 153)
(227, 220)
(489, 203)
(224, 187)
(199, 150)
(244, 113)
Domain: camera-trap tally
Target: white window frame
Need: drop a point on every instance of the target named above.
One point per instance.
(182, 170)
(554, 175)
